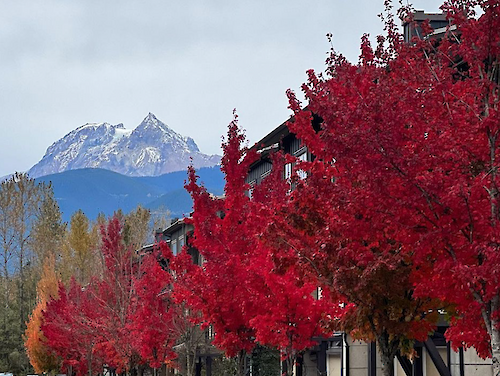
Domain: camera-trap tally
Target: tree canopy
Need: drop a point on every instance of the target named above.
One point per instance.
(393, 222)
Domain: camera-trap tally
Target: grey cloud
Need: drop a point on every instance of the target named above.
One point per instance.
(64, 63)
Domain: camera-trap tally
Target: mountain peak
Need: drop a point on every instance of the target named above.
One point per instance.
(151, 118)
(151, 149)
(152, 123)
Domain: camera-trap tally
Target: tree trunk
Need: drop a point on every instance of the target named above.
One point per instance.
(188, 363)
(22, 319)
(191, 355)
(242, 363)
(388, 350)
(89, 364)
(387, 364)
(192, 371)
(290, 363)
(495, 347)
(132, 370)
(5, 295)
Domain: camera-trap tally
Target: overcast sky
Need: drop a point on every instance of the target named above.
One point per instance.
(66, 63)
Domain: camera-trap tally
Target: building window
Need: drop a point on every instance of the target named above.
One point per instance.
(251, 188)
(173, 246)
(210, 332)
(301, 173)
(288, 171)
(302, 157)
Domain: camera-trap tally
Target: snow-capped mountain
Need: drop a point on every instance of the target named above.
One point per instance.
(151, 149)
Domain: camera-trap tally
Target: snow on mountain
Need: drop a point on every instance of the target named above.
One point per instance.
(151, 149)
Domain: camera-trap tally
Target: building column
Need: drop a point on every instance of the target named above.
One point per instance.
(323, 346)
(298, 367)
(198, 367)
(208, 364)
(372, 359)
(418, 366)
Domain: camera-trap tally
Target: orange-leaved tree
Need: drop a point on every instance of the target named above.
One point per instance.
(41, 358)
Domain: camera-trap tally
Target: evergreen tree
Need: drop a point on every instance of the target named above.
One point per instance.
(48, 233)
(137, 227)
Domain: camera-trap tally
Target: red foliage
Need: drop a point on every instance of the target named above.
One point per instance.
(239, 289)
(398, 215)
(220, 289)
(122, 320)
(151, 327)
(70, 329)
(115, 296)
(410, 138)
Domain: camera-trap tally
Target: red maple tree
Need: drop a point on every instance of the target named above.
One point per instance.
(220, 290)
(115, 296)
(71, 332)
(151, 324)
(402, 196)
(239, 289)
(123, 320)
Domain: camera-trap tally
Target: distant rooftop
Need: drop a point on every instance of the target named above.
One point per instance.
(412, 29)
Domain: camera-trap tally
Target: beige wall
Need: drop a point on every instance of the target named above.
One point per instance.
(399, 370)
(358, 362)
(473, 364)
(358, 357)
(334, 365)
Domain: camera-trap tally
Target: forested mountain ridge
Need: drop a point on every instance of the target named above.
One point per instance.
(96, 191)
